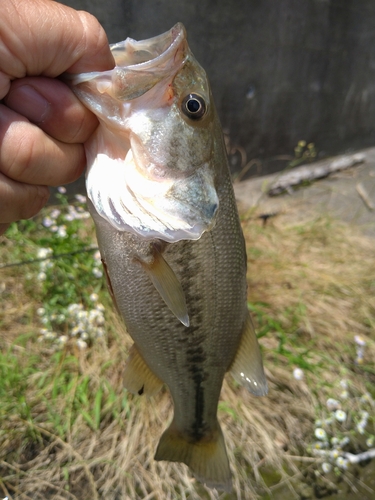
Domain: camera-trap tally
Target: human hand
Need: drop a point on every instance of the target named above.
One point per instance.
(42, 123)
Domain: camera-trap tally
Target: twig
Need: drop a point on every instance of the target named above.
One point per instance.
(365, 196)
(361, 457)
(301, 459)
(315, 171)
(353, 459)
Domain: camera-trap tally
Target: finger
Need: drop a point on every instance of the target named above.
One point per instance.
(51, 105)
(29, 155)
(19, 201)
(40, 37)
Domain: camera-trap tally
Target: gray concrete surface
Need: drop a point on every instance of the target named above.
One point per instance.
(336, 196)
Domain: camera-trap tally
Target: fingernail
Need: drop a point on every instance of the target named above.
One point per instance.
(29, 103)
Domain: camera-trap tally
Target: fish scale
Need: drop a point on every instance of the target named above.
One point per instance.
(176, 270)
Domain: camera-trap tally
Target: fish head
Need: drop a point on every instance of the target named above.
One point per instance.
(151, 160)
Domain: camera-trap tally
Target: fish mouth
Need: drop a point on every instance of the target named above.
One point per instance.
(140, 65)
(144, 55)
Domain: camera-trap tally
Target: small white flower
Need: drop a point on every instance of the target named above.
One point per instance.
(81, 315)
(97, 272)
(344, 394)
(61, 232)
(84, 335)
(360, 341)
(326, 467)
(80, 198)
(50, 335)
(63, 339)
(44, 252)
(370, 441)
(61, 189)
(40, 311)
(81, 344)
(344, 441)
(332, 404)
(47, 222)
(334, 454)
(366, 398)
(94, 297)
(344, 384)
(342, 463)
(75, 331)
(361, 426)
(298, 374)
(69, 217)
(97, 256)
(41, 276)
(334, 441)
(318, 445)
(55, 213)
(100, 332)
(321, 434)
(54, 228)
(340, 415)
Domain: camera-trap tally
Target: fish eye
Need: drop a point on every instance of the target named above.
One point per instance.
(194, 106)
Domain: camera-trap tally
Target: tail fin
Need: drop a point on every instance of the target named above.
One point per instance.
(207, 459)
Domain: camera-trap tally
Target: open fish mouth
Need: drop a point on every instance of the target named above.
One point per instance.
(146, 54)
(139, 65)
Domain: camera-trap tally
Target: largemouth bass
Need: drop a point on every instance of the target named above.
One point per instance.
(171, 242)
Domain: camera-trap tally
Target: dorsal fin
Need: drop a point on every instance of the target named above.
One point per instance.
(247, 367)
(167, 284)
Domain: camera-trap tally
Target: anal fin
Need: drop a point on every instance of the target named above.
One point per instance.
(167, 284)
(138, 378)
(207, 458)
(247, 367)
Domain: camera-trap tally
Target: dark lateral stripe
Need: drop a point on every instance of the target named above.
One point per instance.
(198, 427)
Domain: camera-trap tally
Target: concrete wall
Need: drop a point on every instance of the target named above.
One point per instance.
(281, 70)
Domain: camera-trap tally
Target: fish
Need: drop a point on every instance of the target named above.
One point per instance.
(160, 193)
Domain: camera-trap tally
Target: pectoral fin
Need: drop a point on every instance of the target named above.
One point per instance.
(247, 367)
(138, 378)
(167, 284)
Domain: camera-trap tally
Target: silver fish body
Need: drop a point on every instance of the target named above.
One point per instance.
(180, 283)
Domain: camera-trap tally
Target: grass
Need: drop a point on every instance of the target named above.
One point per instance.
(68, 429)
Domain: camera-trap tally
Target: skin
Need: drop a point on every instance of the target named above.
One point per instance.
(42, 124)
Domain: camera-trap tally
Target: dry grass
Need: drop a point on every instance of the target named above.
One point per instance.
(312, 288)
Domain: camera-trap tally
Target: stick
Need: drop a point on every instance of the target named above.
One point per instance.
(365, 197)
(315, 171)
